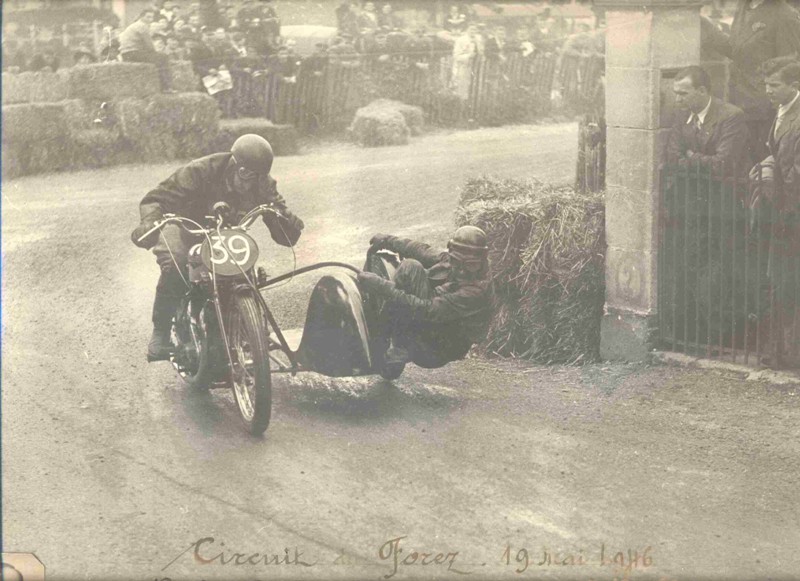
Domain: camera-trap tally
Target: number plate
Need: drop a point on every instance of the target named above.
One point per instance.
(230, 252)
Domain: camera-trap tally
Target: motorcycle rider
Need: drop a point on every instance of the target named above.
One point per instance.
(241, 178)
(438, 304)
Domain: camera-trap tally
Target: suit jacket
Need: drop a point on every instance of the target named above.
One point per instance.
(769, 31)
(784, 146)
(720, 144)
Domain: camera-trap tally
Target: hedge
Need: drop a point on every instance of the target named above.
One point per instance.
(547, 251)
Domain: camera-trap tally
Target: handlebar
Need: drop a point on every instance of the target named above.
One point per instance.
(244, 223)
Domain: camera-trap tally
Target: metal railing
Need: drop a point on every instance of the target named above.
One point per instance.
(728, 266)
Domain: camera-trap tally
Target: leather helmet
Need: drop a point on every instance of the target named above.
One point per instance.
(468, 244)
(253, 153)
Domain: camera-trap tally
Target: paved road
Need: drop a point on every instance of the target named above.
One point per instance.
(112, 470)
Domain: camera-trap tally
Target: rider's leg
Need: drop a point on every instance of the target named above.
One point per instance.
(411, 277)
(172, 248)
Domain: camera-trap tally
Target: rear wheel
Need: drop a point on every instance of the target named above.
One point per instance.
(252, 382)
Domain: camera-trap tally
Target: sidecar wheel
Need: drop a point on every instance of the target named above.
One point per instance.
(252, 381)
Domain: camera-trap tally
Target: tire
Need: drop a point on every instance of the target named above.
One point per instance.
(194, 322)
(251, 376)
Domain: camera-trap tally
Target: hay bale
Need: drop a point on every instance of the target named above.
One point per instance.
(98, 147)
(379, 125)
(11, 162)
(15, 88)
(547, 251)
(47, 87)
(414, 116)
(283, 138)
(184, 79)
(168, 126)
(112, 81)
(33, 122)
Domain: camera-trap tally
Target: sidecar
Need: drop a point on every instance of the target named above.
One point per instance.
(344, 334)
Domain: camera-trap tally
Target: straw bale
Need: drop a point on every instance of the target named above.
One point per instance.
(16, 88)
(112, 81)
(33, 122)
(414, 116)
(169, 126)
(377, 126)
(184, 79)
(282, 138)
(11, 161)
(98, 147)
(547, 264)
(48, 87)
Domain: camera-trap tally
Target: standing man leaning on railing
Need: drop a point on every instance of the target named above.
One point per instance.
(136, 46)
(707, 132)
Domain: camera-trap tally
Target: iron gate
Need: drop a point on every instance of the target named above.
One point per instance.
(729, 267)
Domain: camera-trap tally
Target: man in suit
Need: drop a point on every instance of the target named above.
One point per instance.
(761, 30)
(707, 132)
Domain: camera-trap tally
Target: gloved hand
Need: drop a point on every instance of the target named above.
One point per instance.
(378, 242)
(374, 283)
(295, 222)
(140, 230)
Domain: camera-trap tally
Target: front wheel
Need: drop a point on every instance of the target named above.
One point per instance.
(251, 379)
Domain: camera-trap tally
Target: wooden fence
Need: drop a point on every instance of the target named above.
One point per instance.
(514, 89)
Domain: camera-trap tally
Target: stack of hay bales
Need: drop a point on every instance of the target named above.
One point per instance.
(283, 138)
(547, 251)
(138, 123)
(386, 122)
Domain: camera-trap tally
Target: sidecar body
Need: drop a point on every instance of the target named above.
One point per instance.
(344, 333)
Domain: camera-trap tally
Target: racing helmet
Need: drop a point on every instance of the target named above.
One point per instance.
(252, 154)
(468, 245)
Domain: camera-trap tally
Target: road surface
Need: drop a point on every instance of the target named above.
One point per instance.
(482, 470)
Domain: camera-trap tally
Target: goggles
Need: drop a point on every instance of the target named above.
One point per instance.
(245, 174)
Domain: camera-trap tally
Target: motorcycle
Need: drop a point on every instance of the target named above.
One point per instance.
(225, 334)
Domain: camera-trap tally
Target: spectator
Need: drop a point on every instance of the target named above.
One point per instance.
(420, 47)
(160, 43)
(387, 18)
(496, 47)
(346, 18)
(136, 46)
(316, 63)
(524, 44)
(170, 12)
(159, 24)
(109, 45)
(195, 22)
(465, 50)
(367, 20)
(284, 65)
(260, 39)
(200, 55)
(709, 132)
(761, 30)
(238, 44)
(44, 60)
(779, 189)
(174, 49)
(456, 22)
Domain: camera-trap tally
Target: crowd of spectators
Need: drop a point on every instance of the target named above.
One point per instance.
(245, 36)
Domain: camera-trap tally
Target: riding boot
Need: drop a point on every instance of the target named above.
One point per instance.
(164, 307)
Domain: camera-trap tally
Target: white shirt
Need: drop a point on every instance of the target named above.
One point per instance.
(701, 116)
(784, 108)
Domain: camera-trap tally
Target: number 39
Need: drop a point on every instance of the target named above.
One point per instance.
(235, 250)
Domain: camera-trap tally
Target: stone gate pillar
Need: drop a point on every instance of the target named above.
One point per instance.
(647, 40)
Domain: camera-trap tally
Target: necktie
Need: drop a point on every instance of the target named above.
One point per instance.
(778, 121)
